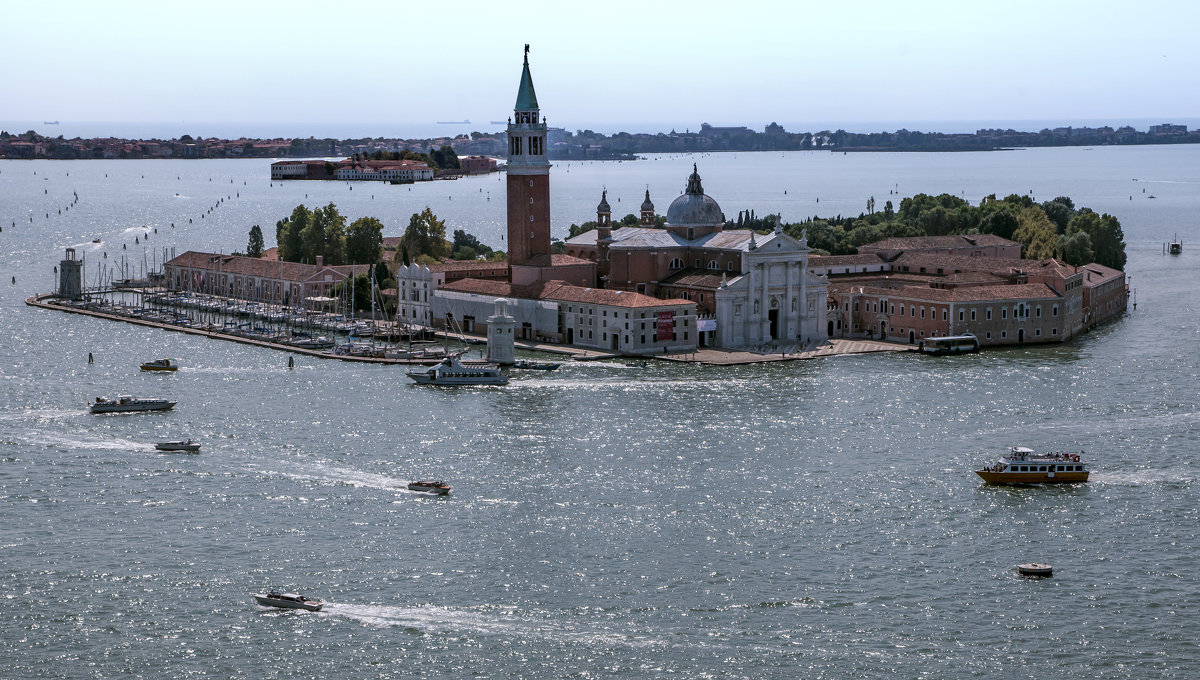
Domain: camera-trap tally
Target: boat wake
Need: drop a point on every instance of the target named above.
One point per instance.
(73, 443)
(1144, 478)
(347, 476)
(39, 414)
(426, 618)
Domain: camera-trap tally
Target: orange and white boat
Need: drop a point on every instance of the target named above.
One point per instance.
(1024, 466)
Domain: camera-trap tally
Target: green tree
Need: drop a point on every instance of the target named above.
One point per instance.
(254, 248)
(1108, 240)
(426, 236)
(325, 235)
(1000, 220)
(364, 241)
(1037, 233)
(1076, 249)
(361, 293)
(464, 240)
(289, 234)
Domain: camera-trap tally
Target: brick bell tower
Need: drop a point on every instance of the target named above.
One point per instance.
(528, 177)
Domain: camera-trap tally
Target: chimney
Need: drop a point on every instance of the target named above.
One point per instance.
(320, 260)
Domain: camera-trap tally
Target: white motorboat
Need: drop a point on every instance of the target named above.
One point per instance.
(451, 371)
(430, 487)
(129, 404)
(287, 601)
(187, 446)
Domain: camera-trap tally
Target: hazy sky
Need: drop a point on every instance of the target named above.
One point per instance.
(672, 63)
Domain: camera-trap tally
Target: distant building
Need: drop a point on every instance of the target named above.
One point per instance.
(1168, 129)
(251, 278)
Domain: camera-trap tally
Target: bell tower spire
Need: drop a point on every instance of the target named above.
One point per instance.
(528, 176)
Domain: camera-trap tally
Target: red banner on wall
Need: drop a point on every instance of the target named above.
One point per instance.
(666, 326)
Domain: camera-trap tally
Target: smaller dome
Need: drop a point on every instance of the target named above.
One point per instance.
(646, 204)
(695, 208)
(603, 207)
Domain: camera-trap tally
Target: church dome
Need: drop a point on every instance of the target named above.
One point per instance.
(603, 206)
(646, 204)
(694, 208)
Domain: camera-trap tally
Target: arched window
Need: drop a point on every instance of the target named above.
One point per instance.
(713, 264)
(676, 263)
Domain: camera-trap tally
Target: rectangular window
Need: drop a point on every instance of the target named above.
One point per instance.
(1004, 313)
(893, 309)
(989, 313)
(1037, 312)
(856, 306)
(962, 313)
(922, 312)
(1053, 331)
(972, 315)
(989, 335)
(1003, 334)
(1054, 310)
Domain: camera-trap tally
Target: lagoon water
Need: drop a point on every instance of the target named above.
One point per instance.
(813, 519)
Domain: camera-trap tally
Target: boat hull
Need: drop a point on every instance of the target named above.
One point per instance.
(287, 604)
(177, 448)
(131, 408)
(424, 379)
(433, 489)
(992, 477)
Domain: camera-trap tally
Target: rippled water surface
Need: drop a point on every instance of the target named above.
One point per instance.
(816, 519)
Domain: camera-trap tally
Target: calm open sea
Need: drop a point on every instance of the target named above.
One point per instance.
(805, 520)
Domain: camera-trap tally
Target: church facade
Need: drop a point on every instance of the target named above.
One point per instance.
(751, 289)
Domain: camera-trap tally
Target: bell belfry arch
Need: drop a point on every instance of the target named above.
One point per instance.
(528, 177)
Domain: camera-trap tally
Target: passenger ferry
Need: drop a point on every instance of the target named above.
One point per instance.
(451, 371)
(950, 344)
(1023, 466)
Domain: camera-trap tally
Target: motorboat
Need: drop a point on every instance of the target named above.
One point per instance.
(451, 371)
(96, 240)
(535, 365)
(1035, 569)
(160, 365)
(126, 403)
(430, 487)
(275, 598)
(1024, 466)
(186, 446)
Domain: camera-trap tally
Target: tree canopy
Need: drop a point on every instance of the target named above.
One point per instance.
(425, 237)
(306, 234)
(254, 246)
(1044, 229)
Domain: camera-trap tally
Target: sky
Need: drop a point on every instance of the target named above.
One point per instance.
(640, 66)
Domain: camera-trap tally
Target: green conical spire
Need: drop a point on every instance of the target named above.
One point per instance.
(526, 97)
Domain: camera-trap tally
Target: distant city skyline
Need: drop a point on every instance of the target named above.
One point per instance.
(634, 66)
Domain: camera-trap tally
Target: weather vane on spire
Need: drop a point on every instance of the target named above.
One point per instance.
(527, 49)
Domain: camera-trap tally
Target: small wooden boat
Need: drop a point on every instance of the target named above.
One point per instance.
(430, 487)
(1035, 569)
(535, 365)
(187, 446)
(160, 365)
(287, 601)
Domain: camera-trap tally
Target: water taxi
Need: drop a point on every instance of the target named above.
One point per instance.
(451, 371)
(1024, 466)
(126, 403)
(287, 601)
(431, 487)
(535, 365)
(160, 365)
(187, 446)
(949, 344)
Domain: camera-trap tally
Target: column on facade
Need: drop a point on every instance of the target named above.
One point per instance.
(792, 323)
(765, 304)
(803, 267)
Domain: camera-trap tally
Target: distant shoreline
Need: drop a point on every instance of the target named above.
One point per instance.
(589, 145)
